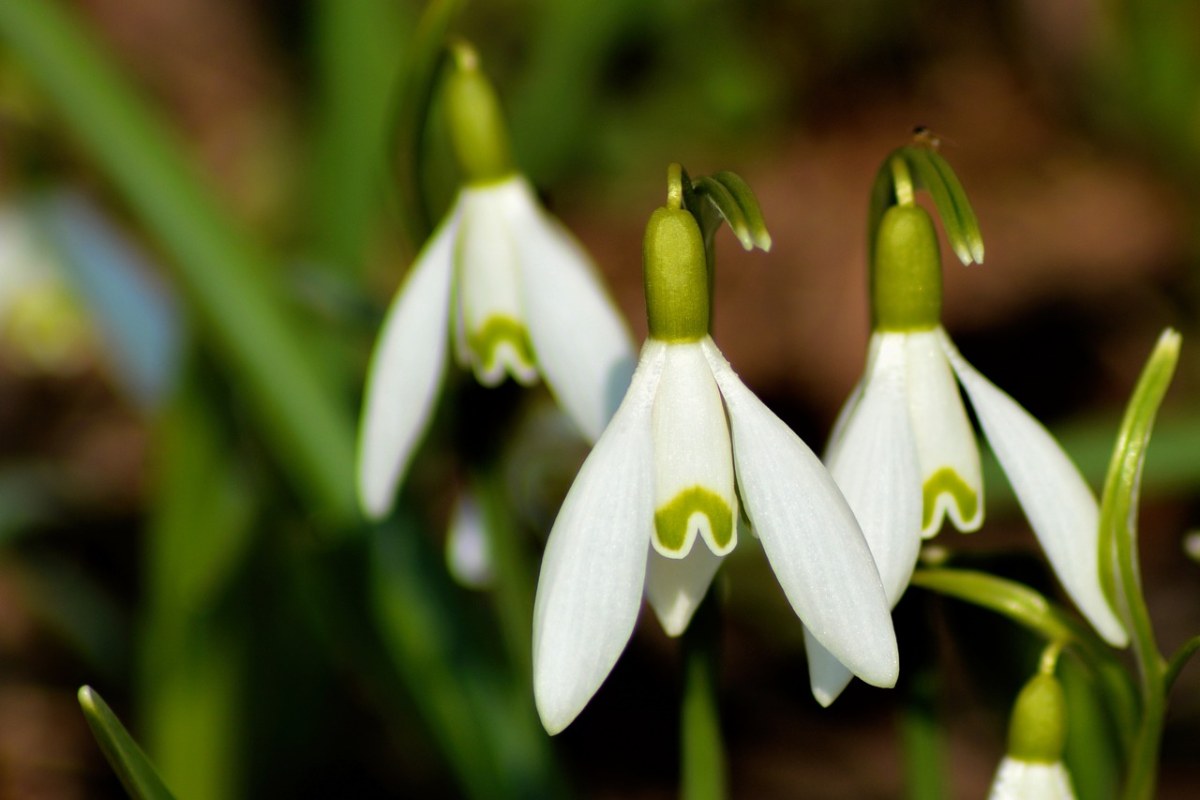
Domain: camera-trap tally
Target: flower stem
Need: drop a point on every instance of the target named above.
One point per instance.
(920, 739)
(702, 752)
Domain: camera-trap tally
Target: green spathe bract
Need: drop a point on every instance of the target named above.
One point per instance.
(906, 272)
(1038, 729)
(676, 277)
(672, 520)
(476, 122)
(947, 481)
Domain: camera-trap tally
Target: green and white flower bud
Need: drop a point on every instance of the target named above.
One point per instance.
(476, 122)
(676, 277)
(1038, 729)
(906, 272)
(1033, 768)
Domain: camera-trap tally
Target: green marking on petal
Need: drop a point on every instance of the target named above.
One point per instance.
(497, 330)
(947, 481)
(672, 520)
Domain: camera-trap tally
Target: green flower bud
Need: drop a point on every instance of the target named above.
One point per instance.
(676, 276)
(476, 122)
(1038, 728)
(906, 272)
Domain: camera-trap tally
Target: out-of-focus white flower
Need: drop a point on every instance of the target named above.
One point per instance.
(1029, 780)
(1033, 768)
(510, 285)
(688, 441)
(904, 453)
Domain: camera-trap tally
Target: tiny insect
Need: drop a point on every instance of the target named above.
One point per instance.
(924, 136)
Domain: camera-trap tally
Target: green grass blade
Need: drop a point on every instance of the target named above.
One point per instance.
(136, 772)
(221, 273)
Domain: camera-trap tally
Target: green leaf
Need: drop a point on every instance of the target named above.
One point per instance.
(1119, 573)
(137, 774)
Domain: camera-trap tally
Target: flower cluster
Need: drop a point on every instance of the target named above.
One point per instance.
(690, 451)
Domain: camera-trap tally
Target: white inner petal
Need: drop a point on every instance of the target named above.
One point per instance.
(492, 324)
(946, 448)
(675, 586)
(693, 462)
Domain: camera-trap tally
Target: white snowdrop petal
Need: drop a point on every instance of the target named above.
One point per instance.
(946, 449)
(581, 343)
(676, 586)
(405, 371)
(1060, 507)
(1026, 780)
(495, 338)
(693, 463)
(827, 677)
(809, 534)
(876, 468)
(593, 569)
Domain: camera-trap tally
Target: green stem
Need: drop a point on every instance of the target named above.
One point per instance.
(920, 739)
(704, 775)
(514, 574)
(221, 272)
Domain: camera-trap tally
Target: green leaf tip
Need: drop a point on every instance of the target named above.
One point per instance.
(919, 166)
(1119, 573)
(126, 758)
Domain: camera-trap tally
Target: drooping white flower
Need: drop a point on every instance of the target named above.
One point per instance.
(1033, 769)
(654, 507)
(904, 453)
(511, 286)
(1031, 780)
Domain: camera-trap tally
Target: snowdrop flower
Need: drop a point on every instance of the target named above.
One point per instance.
(654, 507)
(1033, 768)
(509, 284)
(904, 453)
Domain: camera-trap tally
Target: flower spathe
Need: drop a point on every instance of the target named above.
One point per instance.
(519, 297)
(905, 455)
(654, 509)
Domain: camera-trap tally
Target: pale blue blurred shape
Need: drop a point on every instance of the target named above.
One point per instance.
(136, 312)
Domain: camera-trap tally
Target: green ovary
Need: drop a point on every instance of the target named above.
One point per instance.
(671, 521)
(947, 481)
(496, 330)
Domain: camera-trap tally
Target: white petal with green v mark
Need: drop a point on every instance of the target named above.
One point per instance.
(693, 480)
(594, 567)
(952, 483)
(675, 586)
(875, 465)
(406, 371)
(809, 534)
(579, 339)
(1061, 508)
(496, 340)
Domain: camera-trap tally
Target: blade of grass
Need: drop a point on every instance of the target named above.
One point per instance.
(222, 273)
(359, 47)
(136, 772)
